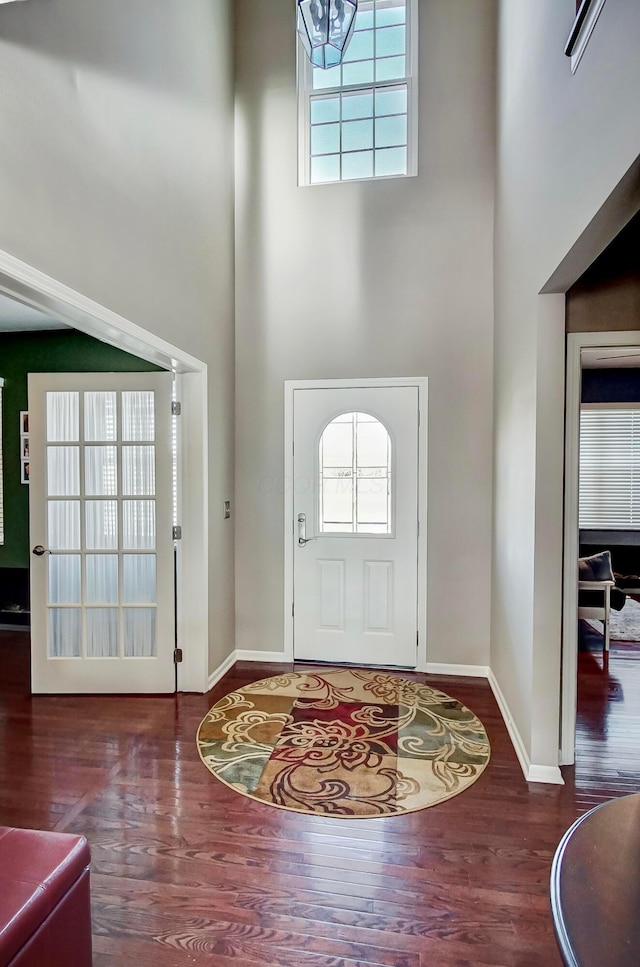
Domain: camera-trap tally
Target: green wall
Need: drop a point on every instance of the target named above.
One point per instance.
(55, 351)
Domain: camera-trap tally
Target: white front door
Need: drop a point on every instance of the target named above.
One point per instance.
(355, 527)
(100, 508)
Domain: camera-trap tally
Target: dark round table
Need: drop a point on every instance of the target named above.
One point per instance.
(595, 887)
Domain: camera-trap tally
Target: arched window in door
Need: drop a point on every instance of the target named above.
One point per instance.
(355, 476)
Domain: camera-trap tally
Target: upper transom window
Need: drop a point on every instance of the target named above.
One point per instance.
(357, 120)
(355, 476)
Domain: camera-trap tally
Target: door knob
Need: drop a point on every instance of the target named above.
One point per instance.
(302, 530)
(39, 550)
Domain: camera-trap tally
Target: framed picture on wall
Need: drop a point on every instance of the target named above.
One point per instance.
(24, 447)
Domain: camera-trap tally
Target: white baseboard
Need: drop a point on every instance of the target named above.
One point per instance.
(221, 670)
(532, 772)
(549, 774)
(272, 657)
(467, 671)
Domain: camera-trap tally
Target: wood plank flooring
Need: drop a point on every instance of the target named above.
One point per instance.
(186, 872)
(608, 721)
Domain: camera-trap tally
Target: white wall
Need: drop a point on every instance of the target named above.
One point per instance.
(116, 178)
(564, 143)
(410, 263)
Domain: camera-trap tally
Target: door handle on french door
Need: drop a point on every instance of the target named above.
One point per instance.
(302, 530)
(39, 550)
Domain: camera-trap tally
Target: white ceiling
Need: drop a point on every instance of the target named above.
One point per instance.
(615, 357)
(18, 317)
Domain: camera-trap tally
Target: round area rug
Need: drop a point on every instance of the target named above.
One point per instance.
(344, 743)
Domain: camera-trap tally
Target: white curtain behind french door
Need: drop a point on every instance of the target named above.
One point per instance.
(100, 508)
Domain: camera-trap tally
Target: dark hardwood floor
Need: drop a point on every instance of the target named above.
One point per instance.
(186, 872)
(608, 721)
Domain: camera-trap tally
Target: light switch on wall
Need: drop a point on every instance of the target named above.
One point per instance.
(227, 509)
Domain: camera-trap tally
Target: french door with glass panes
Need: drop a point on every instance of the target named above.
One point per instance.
(102, 580)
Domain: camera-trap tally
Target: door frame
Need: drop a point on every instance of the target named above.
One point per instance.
(290, 385)
(28, 285)
(576, 341)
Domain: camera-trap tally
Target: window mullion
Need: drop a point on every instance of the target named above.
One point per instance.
(356, 151)
(356, 88)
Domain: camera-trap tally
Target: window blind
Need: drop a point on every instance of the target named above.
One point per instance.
(609, 489)
(1, 470)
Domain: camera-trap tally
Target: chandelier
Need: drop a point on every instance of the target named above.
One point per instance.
(325, 28)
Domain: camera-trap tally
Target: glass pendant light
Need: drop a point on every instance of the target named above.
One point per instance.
(325, 27)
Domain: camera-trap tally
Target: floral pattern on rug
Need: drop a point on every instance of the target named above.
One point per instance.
(346, 743)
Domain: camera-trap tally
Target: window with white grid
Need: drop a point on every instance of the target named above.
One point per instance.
(609, 495)
(355, 476)
(358, 120)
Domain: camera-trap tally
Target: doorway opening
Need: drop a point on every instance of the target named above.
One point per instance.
(600, 687)
(30, 293)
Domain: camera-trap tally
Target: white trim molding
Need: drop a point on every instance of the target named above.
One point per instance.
(221, 670)
(269, 657)
(576, 342)
(465, 671)
(531, 771)
(34, 288)
(432, 668)
(549, 774)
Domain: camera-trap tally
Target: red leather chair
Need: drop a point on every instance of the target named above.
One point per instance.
(45, 915)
